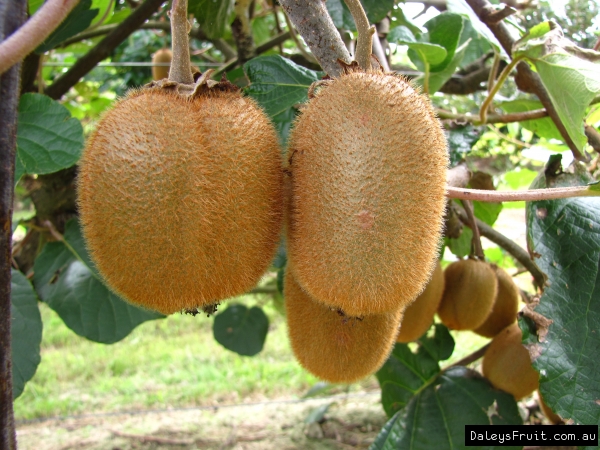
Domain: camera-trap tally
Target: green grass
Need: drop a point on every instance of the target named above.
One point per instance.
(173, 362)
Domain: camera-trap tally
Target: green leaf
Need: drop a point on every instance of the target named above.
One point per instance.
(212, 15)
(487, 212)
(461, 7)
(438, 79)
(340, 14)
(440, 346)
(241, 330)
(78, 20)
(48, 138)
(278, 84)
(401, 34)
(400, 19)
(461, 247)
(436, 416)
(25, 331)
(461, 139)
(427, 53)
(560, 63)
(445, 30)
(566, 235)
(542, 127)
(69, 283)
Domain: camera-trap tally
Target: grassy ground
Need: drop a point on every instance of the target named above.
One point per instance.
(163, 363)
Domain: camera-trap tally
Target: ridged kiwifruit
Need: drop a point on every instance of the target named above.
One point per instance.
(162, 56)
(418, 316)
(331, 345)
(181, 197)
(469, 294)
(507, 365)
(368, 166)
(506, 306)
(552, 417)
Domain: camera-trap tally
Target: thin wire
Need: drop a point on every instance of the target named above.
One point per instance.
(131, 64)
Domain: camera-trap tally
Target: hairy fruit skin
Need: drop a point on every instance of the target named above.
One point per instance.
(418, 316)
(506, 306)
(181, 200)
(368, 165)
(507, 365)
(332, 346)
(469, 294)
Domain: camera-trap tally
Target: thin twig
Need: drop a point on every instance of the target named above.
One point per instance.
(493, 70)
(33, 32)
(364, 44)
(470, 358)
(494, 118)
(531, 195)
(507, 244)
(476, 241)
(181, 69)
(508, 138)
(102, 50)
(494, 90)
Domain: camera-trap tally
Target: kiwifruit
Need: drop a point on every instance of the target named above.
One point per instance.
(552, 417)
(332, 345)
(505, 308)
(368, 167)
(469, 293)
(418, 316)
(181, 197)
(507, 365)
(162, 56)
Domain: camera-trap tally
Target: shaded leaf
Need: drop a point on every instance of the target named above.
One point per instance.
(566, 235)
(25, 331)
(212, 15)
(461, 246)
(462, 7)
(78, 20)
(340, 14)
(436, 416)
(241, 330)
(68, 282)
(461, 139)
(48, 138)
(544, 127)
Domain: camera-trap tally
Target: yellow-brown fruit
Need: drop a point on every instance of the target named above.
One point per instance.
(469, 294)
(181, 199)
(162, 56)
(552, 417)
(506, 306)
(368, 165)
(506, 364)
(332, 346)
(418, 317)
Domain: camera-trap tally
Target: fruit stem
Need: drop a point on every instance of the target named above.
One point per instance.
(531, 195)
(476, 241)
(181, 69)
(364, 44)
(477, 354)
(494, 90)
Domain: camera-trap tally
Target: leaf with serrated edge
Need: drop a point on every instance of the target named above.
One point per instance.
(566, 235)
(48, 138)
(66, 280)
(25, 331)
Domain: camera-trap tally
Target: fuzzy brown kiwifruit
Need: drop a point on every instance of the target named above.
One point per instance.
(181, 197)
(505, 308)
(470, 289)
(507, 365)
(418, 316)
(332, 345)
(162, 56)
(368, 166)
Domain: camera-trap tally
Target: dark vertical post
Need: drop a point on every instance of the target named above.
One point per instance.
(12, 15)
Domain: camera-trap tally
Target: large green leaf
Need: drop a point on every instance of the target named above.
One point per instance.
(340, 14)
(25, 331)
(241, 330)
(78, 20)
(566, 236)
(445, 30)
(462, 7)
(212, 15)
(69, 283)
(560, 63)
(436, 415)
(438, 79)
(48, 138)
(544, 127)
